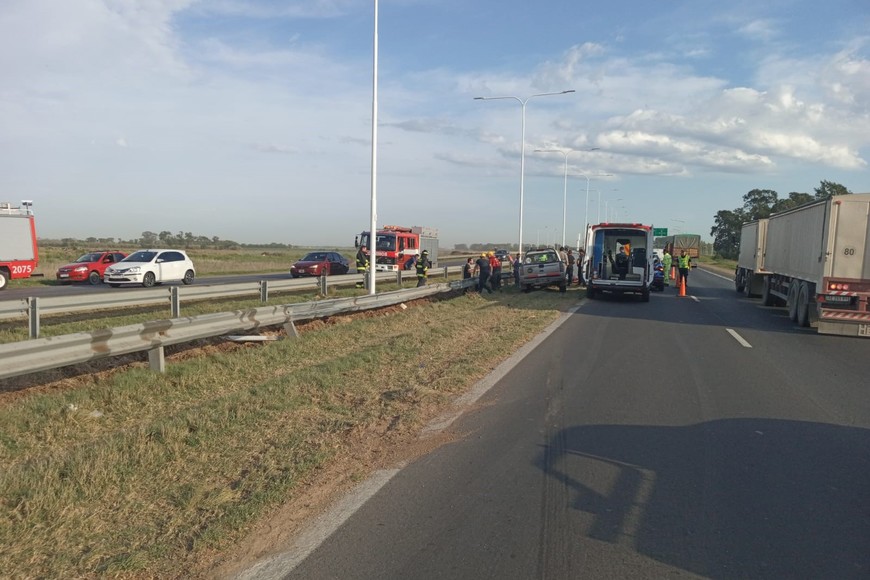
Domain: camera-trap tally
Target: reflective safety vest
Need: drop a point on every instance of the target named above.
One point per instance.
(362, 263)
(684, 262)
(422, 266)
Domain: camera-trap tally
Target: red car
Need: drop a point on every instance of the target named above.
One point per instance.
(316, 263)
(89, 268)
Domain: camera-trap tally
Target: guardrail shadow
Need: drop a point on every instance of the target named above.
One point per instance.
(736, 498)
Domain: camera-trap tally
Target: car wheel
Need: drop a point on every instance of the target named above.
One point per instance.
(188, 277)
(148, 279)
(94, 278)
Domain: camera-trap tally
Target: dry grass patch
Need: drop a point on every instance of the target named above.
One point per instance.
(135, 474)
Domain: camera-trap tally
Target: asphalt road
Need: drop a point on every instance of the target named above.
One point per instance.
(635, 441)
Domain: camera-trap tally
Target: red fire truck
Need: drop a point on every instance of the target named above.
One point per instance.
(396, 246)
(19, 254)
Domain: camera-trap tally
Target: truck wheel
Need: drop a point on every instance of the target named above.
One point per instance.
(792, 300)
(803, 305)
(747, 283)
(94, 278)
(4, 279)
(739, 280)
(766, 297)
(590, 292)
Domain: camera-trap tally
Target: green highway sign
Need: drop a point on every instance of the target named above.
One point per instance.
(660, 231)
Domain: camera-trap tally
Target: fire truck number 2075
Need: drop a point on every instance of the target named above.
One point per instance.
(22, 269)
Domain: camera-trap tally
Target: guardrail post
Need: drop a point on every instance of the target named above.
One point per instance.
(445, 273)
(33, 315)
(157, 359)
(174, 302)
(399, 278)
(323, 289)
(264, 291)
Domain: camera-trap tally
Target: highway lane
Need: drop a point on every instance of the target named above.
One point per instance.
(638, 441)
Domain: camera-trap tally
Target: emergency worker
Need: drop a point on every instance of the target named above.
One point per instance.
(423, 265)
(667, 260)
(684, 262)
(495, 267)
(483, 269)
(362, 267)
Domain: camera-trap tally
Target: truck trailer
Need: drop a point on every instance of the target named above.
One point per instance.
(19, 254)
(813, 259)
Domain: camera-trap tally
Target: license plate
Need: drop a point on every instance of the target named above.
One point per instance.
(63, 276)
(864, 330)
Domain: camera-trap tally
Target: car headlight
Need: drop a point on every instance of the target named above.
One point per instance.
(81, 268)
(134, 270)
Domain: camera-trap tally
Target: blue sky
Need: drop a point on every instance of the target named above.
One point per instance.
(251, 120)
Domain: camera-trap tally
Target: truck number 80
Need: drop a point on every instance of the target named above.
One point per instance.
(849, 252)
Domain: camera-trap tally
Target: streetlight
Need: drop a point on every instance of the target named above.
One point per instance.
(565, 187)
(586, 225)
(606, 201)
(373, 232)
(522, 102)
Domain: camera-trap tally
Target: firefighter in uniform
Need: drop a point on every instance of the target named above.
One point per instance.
(362, 267)
(423, 265)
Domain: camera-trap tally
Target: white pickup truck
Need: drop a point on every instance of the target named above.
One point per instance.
(542, 268)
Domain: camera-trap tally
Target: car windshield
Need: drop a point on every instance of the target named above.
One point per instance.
(90, 257)
(140, 257)
(314, 257)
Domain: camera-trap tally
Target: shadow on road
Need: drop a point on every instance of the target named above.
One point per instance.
(736, 498)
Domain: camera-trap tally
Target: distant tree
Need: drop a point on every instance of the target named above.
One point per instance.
(794, 199)
(461, 247)
(829, 189)
(726, 232)
(758, 204)
(149, 239)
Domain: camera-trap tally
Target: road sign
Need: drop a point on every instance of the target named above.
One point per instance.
(660, 231)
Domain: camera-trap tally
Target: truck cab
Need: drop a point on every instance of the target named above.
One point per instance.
(619, 260)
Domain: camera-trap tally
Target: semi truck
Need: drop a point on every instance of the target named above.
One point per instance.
(396, 247)
(619, 259)
(814, 260)
(676, 243)
(19, 254)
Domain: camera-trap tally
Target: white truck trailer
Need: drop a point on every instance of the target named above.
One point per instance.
(814, 259)
(19, 253)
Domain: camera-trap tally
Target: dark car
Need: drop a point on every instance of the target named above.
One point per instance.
(320, 263)
(90, 267)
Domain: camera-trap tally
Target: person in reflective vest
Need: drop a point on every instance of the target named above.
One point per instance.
(667, 260)
(684, 262)
(423, 265)
(362, 267)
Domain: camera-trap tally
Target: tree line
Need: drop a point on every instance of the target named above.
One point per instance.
(760, 204)
(165, 239)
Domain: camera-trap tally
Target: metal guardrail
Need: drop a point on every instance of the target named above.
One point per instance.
(20, 358)
(33, 308)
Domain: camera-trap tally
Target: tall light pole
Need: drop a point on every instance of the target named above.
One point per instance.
(565, 186)
(586, 225)
(522, 102)
(373, 232)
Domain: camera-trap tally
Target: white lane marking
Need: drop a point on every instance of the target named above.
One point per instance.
(712, 273)
(738, 338)
(279, 565)
(695, 298)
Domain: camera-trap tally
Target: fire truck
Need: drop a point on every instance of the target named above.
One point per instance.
(19, 254)
(397, 246)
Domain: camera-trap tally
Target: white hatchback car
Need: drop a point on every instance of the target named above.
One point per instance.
(150, 267)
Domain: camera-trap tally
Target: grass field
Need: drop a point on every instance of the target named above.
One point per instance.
(133, 474)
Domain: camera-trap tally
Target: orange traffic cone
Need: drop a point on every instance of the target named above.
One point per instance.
(683, 286)
(673, 272)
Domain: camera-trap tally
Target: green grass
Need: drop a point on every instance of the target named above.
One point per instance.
(138, 474)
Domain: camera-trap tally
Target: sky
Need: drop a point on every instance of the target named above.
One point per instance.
(251, 120)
